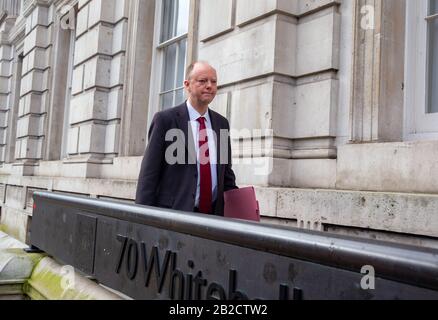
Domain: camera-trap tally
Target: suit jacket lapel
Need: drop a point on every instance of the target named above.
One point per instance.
(184, 125)
(216, 129)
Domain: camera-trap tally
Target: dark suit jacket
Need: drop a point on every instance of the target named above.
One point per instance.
(165, 185)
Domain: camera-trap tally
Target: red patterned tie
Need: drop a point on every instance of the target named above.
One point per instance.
(205, 170)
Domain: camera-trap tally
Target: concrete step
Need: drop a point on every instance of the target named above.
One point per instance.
(16, 267)
(408, 218)
(51, 281)
(7, 242)
(35, 276)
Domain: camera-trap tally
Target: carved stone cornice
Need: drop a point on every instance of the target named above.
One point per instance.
(3, 16)
(59, 4)
(8, 25)
(17, 32)
(29, 5)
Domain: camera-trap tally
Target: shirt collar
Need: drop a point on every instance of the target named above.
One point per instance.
(194, 114)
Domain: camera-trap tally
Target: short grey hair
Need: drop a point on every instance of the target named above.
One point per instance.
(190, 68)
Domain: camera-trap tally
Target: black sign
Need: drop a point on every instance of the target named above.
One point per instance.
(149, 253)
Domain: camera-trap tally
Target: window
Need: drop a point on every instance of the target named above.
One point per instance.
(421, 70)
(432, 21)
(58, 125)
(172, 49)
(13, 117)
(68, 93)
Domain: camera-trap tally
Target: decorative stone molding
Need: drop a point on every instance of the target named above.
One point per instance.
(3, 15)
(12, 7)
(193, 38)
(29, 5)
(18, 30)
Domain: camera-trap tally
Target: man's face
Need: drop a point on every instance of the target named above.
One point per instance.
(202, 84)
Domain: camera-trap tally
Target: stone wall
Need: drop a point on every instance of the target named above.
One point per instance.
(278, 65)
(97, 87)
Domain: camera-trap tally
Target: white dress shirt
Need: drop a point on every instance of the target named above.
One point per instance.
(194, 115)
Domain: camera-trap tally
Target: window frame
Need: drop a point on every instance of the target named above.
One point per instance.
(419, 124)
(432, 18)
(68, 94)
(158, 59)
(58, 126)
(162, 47)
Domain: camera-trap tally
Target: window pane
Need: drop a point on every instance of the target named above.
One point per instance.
(166, 100)
(183, 17)
(433, 6)
(175, 20)
(433, 67)
(179, 98)
(181, 63)
(168, 20)
(169, 68)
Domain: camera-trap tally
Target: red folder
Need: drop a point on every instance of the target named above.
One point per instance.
(241, 204)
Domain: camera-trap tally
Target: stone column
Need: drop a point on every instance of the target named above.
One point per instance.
(32, 112)
(277, 64)
(137, 78)
(97, 87)
(6, 80)
(378, 71)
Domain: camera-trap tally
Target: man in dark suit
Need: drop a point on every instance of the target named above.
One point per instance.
(187, 163)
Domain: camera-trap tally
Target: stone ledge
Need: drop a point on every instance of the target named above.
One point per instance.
(397, 213)
(49, 281)
(7, 242)
(15, 267)
(24, 275)
(389, 167)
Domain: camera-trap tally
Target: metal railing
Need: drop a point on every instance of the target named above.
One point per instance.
(410, 265)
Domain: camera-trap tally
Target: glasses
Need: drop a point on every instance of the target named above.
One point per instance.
(203, 82)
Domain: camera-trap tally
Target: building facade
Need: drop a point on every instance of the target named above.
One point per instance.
(333, 104)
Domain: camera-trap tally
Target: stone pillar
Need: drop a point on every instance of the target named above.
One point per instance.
(138, 77)
(32, 112)
(378, 71)
(97, 88)
(6, 81)
(277, 64)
